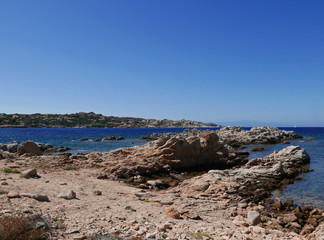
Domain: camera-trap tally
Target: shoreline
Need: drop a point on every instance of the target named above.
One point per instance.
(196, 205)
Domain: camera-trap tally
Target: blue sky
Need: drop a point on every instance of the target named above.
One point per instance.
(249, 62)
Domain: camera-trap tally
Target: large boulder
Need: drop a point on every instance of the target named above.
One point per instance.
(174, 153)
(29, 147)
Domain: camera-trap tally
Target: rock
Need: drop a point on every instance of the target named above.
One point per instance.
(98, 193)
(257, 149)
(13, 194)
(289, 204)
(172, 213)
(29, 147)
(38, 197)
(167, 154)
(70, 194)
(296, 225)
(307, 229)
(83, 139)
(290, 217)
(150, 236)
(257, 135)
(112, 138)
(31, 173)
(253, 217)
(12, 147)
(4, 183)
(307, 208)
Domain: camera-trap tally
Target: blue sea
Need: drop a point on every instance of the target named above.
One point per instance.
(310, 190)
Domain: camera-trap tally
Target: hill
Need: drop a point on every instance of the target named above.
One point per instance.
(91, 120)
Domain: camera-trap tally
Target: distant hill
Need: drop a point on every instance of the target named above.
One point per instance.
(91, 120)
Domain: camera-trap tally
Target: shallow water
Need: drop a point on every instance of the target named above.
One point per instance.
(308, 191)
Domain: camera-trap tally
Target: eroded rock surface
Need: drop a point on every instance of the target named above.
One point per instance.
(170, 154)
(257, 135)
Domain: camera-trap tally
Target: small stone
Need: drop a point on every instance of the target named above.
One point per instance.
(13, 194)
(38, 197)
(98, 193)
(253, 217)
(312, 221)
(150, 236)
(290, 217)
(136, 227)
(307, 229)
(296, 225)
(31, 173)
(307, 208)
(172, 213)
(4, 183)
(70, 194)
(80, 237)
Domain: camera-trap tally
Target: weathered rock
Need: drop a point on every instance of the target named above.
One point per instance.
(257, 149)
(290, 217)
(172, 213)
(29, 147)
(255, 180)
(13, 194)
(170, 153)
(12, 147)
(70, 194)
(253, 217)
(257, 135)
(38, 197)
(31, 173)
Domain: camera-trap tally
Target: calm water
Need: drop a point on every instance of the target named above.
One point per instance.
(308, 191)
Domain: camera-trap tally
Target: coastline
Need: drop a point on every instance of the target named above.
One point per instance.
(186, 206)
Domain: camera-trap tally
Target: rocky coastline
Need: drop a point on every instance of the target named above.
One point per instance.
(142, 192)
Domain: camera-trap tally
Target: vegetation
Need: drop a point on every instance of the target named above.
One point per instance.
(9, 170)
(89, 120)
(20, 228)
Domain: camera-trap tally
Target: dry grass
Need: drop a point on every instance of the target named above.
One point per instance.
(20, 228)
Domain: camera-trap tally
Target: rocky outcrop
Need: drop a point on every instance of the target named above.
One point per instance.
(236, 136)
(256, 179)
(32, 148)
(108, 138)
(170, 154)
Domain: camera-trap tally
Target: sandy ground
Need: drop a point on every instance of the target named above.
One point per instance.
(122, 210)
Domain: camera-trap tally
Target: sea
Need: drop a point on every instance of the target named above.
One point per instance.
(309, 190)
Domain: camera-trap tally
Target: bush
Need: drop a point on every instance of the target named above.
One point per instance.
(20, 228)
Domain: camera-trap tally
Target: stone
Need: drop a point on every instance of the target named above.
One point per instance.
(29, 147)
(13, 194)
(172, 213)
(31, 173)
(307, 208)
(307, 229)
(70, 194)
(296, 225)
(12, 147)
(253, 217)
(4, 183)
(290, 217)
(38, 197)
(150, 236)
(257, 149)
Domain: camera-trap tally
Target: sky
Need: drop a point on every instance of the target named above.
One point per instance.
(230, 62)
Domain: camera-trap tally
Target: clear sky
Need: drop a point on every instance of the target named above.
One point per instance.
(220, 61)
